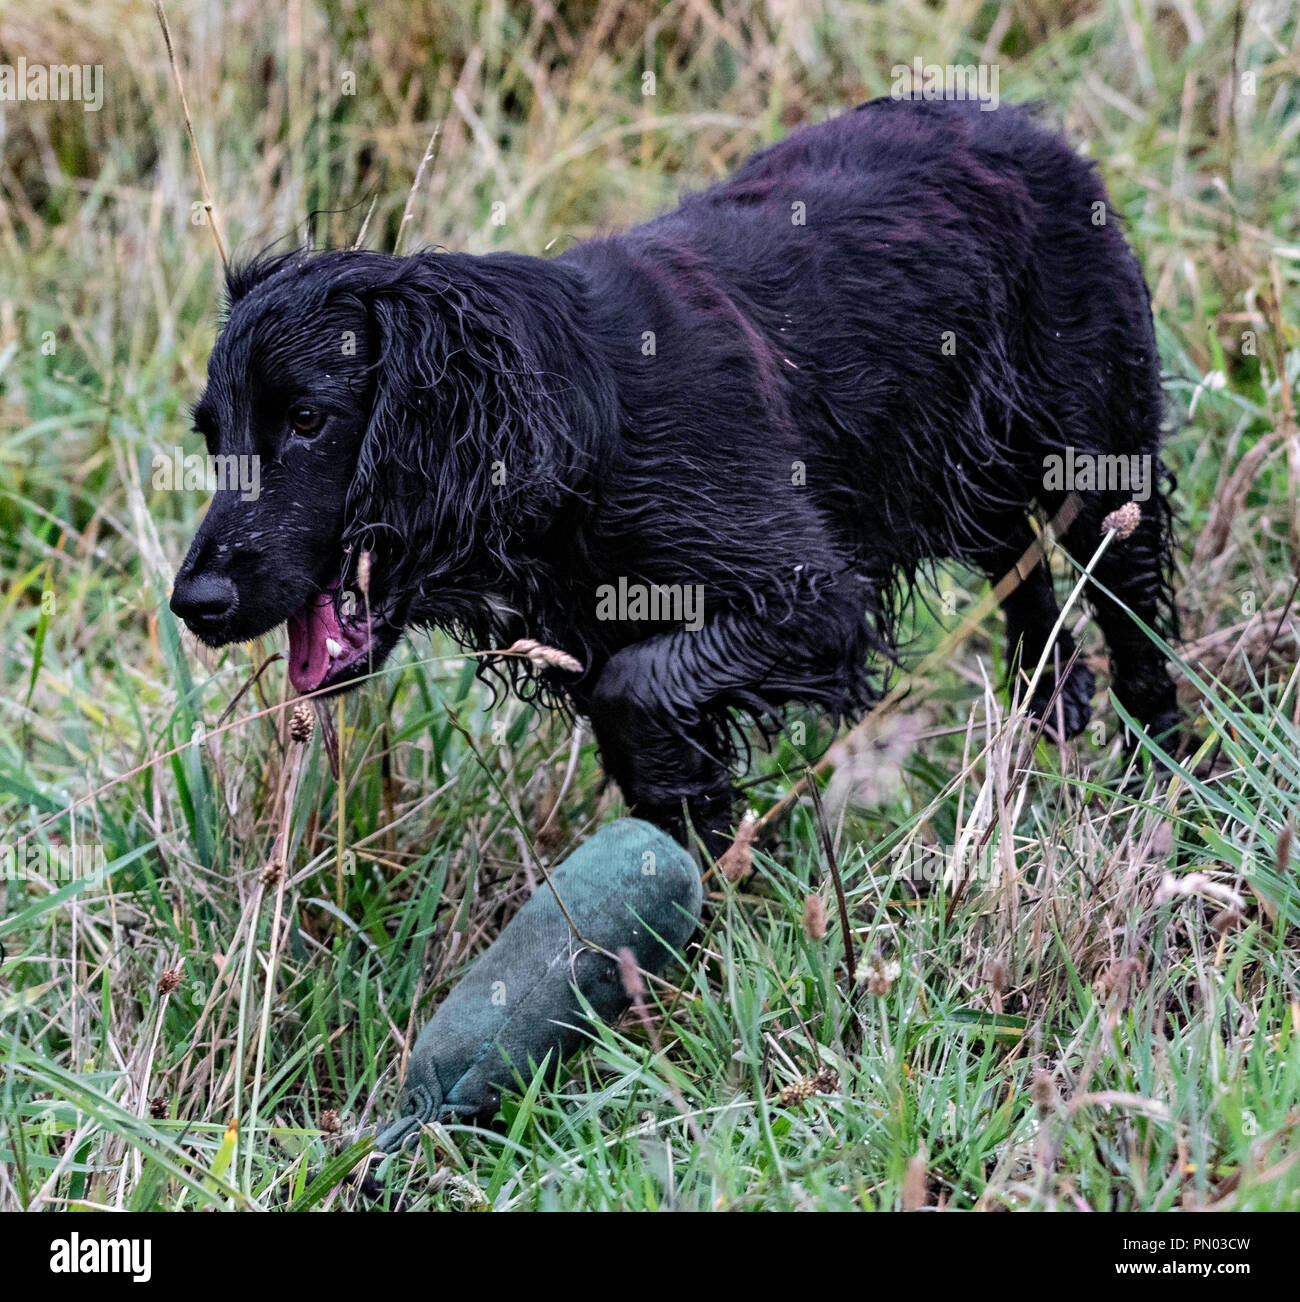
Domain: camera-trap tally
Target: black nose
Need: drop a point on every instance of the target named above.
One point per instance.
(202, 598)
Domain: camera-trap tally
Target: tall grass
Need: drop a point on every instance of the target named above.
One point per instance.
(1095, 1006)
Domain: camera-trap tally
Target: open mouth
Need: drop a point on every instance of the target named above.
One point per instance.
(326, 651)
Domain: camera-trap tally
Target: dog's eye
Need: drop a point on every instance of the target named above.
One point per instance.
(305, 421)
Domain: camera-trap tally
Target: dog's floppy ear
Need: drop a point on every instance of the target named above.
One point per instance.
(475, 439)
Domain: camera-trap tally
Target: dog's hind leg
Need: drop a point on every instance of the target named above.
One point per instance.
(1132, 576)
(1031, 610)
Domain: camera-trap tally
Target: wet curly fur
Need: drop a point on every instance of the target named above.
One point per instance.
(845, 362)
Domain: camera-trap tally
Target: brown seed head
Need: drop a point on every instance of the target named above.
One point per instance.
(1226, 920)
(544, 656)
(1123, 520)
(1044, 1092)
(169, 980)
(880, 974)
(914, 1182)
(797, 1093)
(814, 917)
(1284, 840)
(1117, 978)
(302, 723)
(737, 860)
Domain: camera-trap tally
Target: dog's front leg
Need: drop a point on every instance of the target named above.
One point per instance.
(660, 742)
(659, 707)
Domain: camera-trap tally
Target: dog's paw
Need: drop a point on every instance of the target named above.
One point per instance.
(1165, 728)
(1073, 708)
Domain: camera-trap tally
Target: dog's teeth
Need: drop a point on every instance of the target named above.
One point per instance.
(334, 649)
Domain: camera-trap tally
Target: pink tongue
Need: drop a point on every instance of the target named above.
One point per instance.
(309, 661)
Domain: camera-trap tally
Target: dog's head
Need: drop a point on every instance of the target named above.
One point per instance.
(402, 438)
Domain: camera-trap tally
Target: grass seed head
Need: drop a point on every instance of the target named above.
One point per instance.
(1123, 520)
(914, 1191)
(1227, 920)
(1115, 978)
(1284, 840)
(1044, 1092)
(797, 1093)
(302, 723)
(544, 657)
(737, 860)
(814, 917)
(880, 974)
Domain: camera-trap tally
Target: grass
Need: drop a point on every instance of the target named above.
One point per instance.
(1105, 1016)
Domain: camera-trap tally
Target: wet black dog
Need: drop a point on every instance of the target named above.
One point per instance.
(706, 456)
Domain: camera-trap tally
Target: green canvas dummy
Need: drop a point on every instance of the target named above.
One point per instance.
(630, 887)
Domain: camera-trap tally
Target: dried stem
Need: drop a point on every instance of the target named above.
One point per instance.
(850, 957)
(409, 211)
(209, 207)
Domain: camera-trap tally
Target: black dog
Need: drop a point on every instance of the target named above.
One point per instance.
(706, 456)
